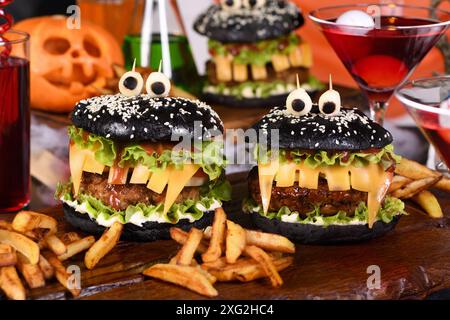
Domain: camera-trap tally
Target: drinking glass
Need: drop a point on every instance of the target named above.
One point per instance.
(382, 57)
(428, 102)
(14, 121)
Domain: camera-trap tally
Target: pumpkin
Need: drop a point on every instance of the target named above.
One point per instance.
(66, 65)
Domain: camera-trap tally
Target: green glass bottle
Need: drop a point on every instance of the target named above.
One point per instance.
(183, 71)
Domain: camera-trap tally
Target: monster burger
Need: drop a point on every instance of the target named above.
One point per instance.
(329, 179)
(125, 167)
(255, 52)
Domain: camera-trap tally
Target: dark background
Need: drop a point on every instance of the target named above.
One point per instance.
(21, 9)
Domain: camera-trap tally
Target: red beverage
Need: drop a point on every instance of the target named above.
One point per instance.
(380, 59)
(440, 139)
(14, 134)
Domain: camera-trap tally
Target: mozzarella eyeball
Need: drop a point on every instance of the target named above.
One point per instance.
(330, 103)
(298, 103)
(253, 4)
(356, 18)
(131, 84)
(157, 85)
(231, 5)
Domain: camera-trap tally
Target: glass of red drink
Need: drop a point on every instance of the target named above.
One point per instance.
(14, 121)
(382, 56)
(428, 102)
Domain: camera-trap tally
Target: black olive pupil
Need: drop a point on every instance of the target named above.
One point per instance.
(298, 105)
(329, 107)
(158, 87)
(229, 3)
(252, 3)
(130, 83)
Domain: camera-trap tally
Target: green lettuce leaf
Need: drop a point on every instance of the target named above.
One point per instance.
(322, 158)
(265, 49)
(261, 89)
(217, 191)
(210, 158)
(105, 150)
(391, 208)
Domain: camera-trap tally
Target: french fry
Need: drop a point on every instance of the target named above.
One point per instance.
(8, 256)
(398, 182)
(22, 244)
(216, 264)
(46, 268)
(208, 275)
(253, 272)
(31, 272)
(280, 62)
(61, 274)
(223, 68)
(258, 72)
(10, 283)
(76, 247)
(266, 262)
(227, 272)
(190, 246)
(240, 72)
(6, 225)
(235, 241)
(69, 237)
(29, 220)
(217, 238)
(266, 241)
(414, 170)
(185, 276)
(55, 244)
(415, 187)
(296, 57)
(105, 244)
(429, 203)
(180, 236)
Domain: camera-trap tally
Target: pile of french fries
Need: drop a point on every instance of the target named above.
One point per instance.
(412, 181)
(228, 252)
(31, 246)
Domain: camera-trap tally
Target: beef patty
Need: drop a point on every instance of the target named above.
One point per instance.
(120, 196)
(304, 200)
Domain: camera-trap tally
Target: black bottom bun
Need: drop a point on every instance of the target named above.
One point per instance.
(150, 231)
(333, 234)
(232, 101)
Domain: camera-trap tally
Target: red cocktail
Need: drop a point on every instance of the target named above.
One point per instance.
(381, 57)
(14, 122)
(428, 102)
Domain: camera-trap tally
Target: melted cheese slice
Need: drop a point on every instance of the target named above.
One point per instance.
(159, 179)
(266, 173)
(76, 164)
(177, 181)
(140, 175)
(91, 164)
(371, 179)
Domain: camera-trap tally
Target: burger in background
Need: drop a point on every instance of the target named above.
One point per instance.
(255, 52)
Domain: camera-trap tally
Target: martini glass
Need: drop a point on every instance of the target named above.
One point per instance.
(428, 102)
(382, 57)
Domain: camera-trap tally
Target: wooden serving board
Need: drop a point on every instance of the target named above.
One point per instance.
(414, 261)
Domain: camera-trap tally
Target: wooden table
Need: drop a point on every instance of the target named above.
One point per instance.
(414, 261)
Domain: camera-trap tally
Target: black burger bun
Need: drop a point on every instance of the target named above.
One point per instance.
(144, 118)
(150, 231)
(316, 234)
(349, 130)
(272, 20)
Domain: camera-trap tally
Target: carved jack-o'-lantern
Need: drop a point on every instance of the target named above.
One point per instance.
(67, 64)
